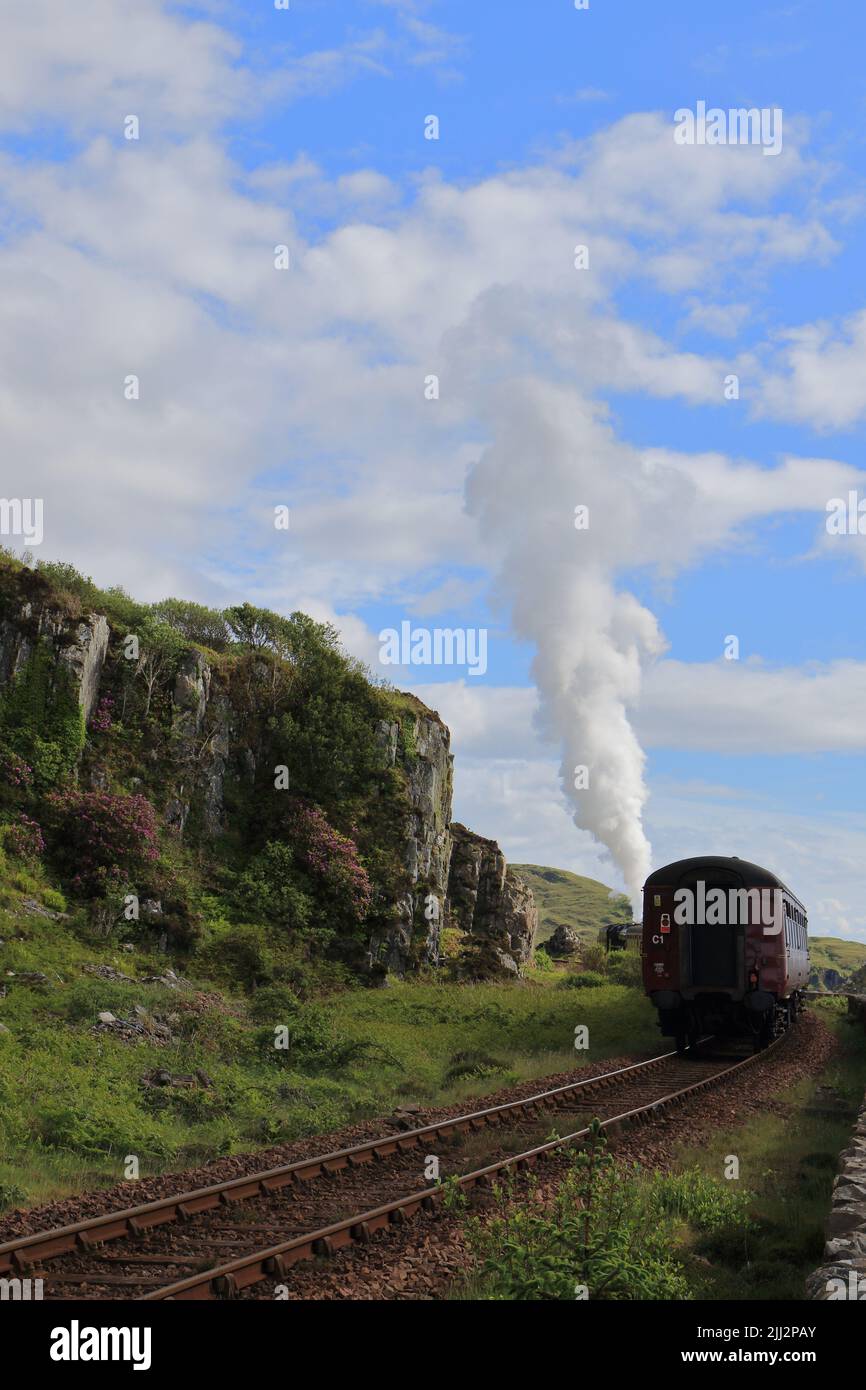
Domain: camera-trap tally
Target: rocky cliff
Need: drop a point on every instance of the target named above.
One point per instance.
(459, 881)
(202, 741)
(74, 649)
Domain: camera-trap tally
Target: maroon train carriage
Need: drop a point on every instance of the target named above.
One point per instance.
(711, 962)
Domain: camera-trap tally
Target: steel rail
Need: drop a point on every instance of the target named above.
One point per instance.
(226, 1280)
(23, 1251)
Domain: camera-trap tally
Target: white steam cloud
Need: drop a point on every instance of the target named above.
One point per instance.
(553, 452)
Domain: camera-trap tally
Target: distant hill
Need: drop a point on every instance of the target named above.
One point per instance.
(834, 961)
(566, 899)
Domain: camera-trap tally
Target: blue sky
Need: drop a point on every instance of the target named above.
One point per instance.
(557, 387)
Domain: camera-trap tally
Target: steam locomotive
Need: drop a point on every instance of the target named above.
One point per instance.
(725, 950)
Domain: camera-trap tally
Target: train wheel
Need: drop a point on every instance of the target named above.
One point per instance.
(682, 1043)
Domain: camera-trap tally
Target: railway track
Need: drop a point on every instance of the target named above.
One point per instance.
(215, 1241)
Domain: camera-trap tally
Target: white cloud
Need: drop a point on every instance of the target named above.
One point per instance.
(92, 63)
(737, 707)
(153, 260)
(822, 377)
(727, 707)
(820, 858)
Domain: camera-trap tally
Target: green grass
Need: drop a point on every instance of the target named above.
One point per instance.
(72, 1106)
(567, 899)
(528, 1031)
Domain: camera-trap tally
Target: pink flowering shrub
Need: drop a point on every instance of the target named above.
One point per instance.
(331, 857)
(14, 771)
(24, 838)
(102, 840)
(102, 717)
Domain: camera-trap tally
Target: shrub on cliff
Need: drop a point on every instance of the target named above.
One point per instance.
(40, 719)
(272, 888)
(160, 651)
(15, 773)
(296, 639)
(23, 837)
(315, 708)
(329, 735)
(101, 840)
(331, 858)
(16, 781)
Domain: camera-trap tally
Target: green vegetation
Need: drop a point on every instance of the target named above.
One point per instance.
(73, 1096)
(604, 1234)
(831, 953)
(566, 899)
(40, 720)
(788, 1157)
(271, 927)
(694, 1230)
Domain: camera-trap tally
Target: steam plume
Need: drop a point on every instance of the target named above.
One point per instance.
(552, 452)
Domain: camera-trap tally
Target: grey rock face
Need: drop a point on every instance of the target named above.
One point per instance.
(426, 763)
(488, 901)
(451, 877)
(84, 659)
(78, 648)
(17, 635)
(201, 733)
(191, 690)
(456, 879)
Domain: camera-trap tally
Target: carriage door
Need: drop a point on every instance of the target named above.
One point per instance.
(713, 954)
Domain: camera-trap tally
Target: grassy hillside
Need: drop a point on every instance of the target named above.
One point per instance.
(566, 899)
(832, 953)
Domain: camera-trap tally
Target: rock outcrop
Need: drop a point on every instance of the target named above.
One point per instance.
(424, 756)
(201, 728)
(563, 942)
(488, 902)
(827, 978)
(76, 648)
(457, 879)
(84, 659)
